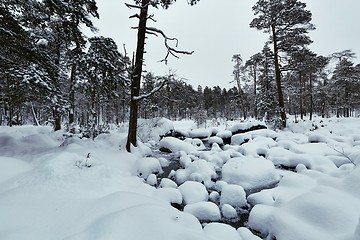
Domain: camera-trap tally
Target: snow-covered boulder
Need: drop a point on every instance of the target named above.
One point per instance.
(171, 144)
(197, 143)
(167, 183)
(216, 140)
(229, 211)
(143, 167)
(316, 138)
(170, 195)
(240, 138)
(246, 127)
(193, 192)
(204, 211)
(202, 133)
(233, 195)
(250, 172)
(216, 231)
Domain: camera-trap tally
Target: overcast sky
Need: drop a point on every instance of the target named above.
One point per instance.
(215, 30)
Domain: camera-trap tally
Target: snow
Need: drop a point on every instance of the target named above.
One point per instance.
(234, 195)
(176, 145)
(57, 187)
(216, 231)
(143, 167)
(229, 211)
(249, 172)
(193, 192)
(204, 211)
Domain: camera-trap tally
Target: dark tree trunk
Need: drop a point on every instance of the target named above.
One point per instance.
(255, 101)
(136, 76)
(301, 97)
(57, 118)
(278, 79)
(72, 95)
(311, 97)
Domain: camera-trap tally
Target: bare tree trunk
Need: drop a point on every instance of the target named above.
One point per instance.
(72, 95)
(136, 76)
(278, 79)
(311, 98)
(301, 97)
(255, 101)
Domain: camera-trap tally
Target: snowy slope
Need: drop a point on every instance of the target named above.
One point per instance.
(50, 189)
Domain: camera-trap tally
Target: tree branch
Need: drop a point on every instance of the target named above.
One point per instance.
(170, 50)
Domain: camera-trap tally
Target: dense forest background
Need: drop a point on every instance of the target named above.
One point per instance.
(51, 73)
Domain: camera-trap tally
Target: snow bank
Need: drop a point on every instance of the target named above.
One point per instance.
(143, 222)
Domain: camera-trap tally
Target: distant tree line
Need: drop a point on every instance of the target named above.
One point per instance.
(51, 73)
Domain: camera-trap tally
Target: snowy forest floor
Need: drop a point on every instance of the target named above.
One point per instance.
(57, 187)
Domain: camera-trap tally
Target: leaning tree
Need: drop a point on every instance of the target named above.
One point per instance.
(287, 22)
(142, 30)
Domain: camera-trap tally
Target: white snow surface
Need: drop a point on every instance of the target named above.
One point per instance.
(50, 189)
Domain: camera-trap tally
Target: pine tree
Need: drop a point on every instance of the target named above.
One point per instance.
(287, 22)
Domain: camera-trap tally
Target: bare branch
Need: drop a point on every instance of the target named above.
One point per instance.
(170, 50)
(132, 6)
(135, 16)
(151, 17)
(342, 152)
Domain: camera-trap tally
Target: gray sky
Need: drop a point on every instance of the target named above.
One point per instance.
(215, 30)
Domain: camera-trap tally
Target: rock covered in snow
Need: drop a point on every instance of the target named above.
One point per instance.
(171, 144)
(170, 195)
(240, 138)
(204, 211)
(193, 192)
(201, 133)
(143, 167)
(229, 211)
(167, 183)
(217, 231)
(249, 172)
(233, 195)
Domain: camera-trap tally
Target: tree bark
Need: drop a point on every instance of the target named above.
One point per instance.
(301, 97)
(278, 79)
(136, 76)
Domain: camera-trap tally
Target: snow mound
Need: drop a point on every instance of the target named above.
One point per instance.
(240, 138)
(202, 133)
(216, 231)
(143, 222)
(229, 211)
(193, 192)
(234, 195)
(143, 167)
(249, 172)
(171, 144)
(204, 211)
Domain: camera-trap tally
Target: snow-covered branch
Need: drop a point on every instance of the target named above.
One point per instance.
(164, 81)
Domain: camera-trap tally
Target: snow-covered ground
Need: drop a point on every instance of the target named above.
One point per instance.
(52, 187)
